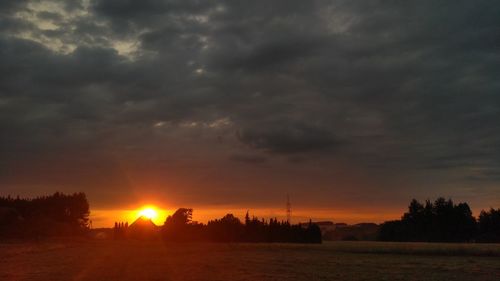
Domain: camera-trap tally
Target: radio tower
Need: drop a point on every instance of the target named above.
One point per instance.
(288, 209)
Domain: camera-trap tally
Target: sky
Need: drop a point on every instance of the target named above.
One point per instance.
(352, 108)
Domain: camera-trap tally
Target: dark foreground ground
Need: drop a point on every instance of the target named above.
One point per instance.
(135, 260)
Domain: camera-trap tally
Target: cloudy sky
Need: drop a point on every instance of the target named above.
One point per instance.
(349, 107)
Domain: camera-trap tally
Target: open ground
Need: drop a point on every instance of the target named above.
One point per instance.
(155, 260)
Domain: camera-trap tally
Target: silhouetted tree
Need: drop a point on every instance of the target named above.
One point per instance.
(58, 214)
(489, 226)
(247, 218)
(178, 226)
(441, 221)
(230, 229)
(227, 229)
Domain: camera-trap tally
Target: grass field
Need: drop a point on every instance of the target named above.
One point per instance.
(136, 260)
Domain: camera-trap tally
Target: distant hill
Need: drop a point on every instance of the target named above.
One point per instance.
(360, 231)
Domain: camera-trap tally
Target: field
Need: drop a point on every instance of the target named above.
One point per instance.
(136, 260)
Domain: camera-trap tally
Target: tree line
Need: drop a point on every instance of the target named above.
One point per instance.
(180, 227)
(68, 214)
(54, 215)
(442, 221)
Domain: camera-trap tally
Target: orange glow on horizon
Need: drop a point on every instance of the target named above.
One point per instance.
(106, 218)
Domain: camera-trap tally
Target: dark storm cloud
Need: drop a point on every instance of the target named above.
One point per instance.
(250, 159)
(289, 139)
(387, 85)
(133, 9)
(52, 76)
(263, 58)
(11, 5)
(45, 15)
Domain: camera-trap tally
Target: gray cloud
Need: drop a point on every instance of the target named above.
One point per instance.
(288, 138)
(250, 159)
(387, 86)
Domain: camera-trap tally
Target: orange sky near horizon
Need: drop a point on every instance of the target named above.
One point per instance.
(107, 218)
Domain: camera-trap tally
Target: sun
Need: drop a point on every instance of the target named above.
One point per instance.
(148, 212)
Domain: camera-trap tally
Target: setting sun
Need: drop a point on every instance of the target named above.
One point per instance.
(149, 213)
